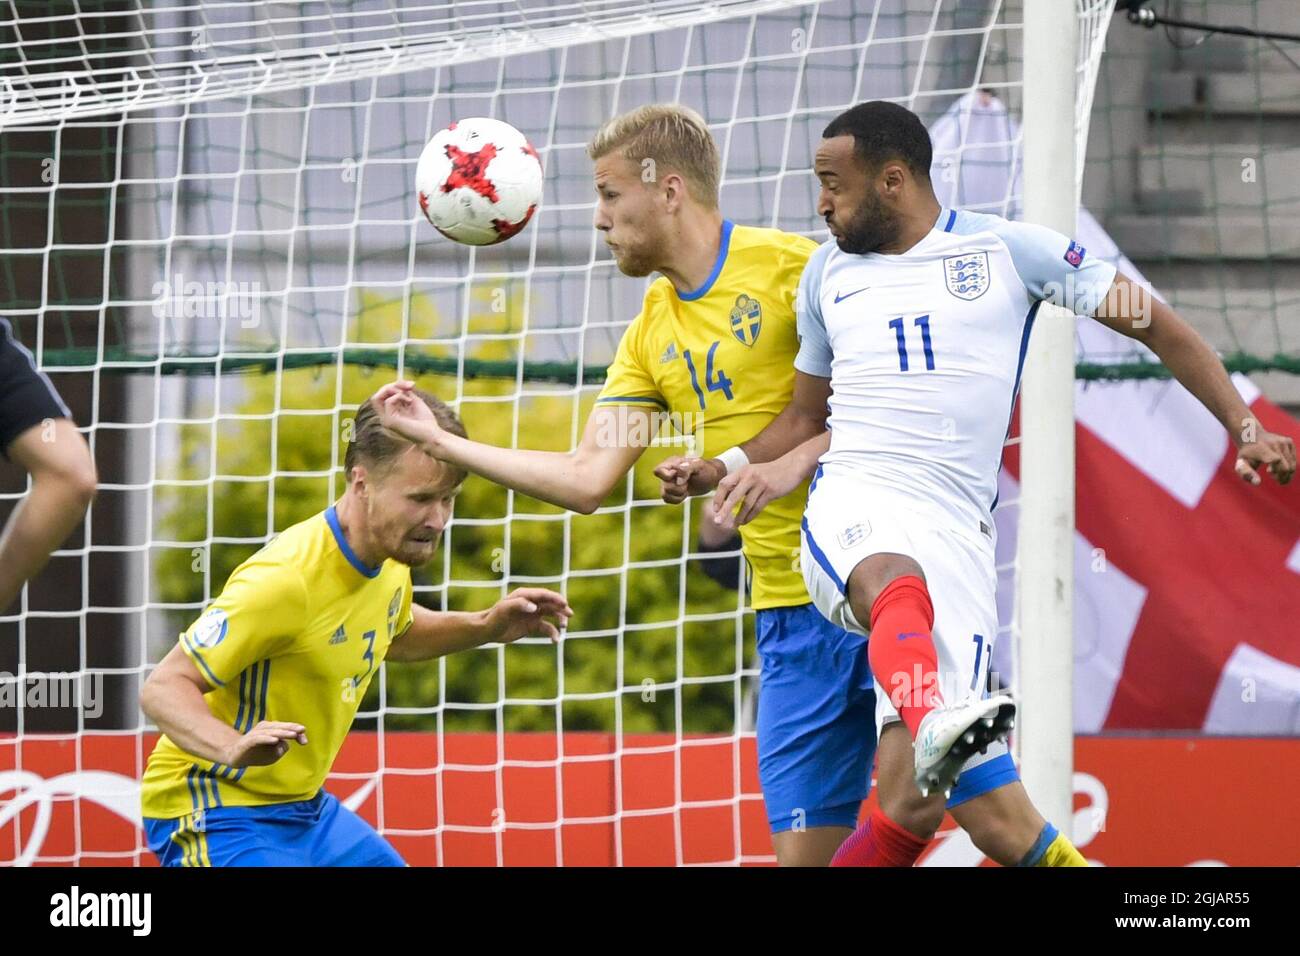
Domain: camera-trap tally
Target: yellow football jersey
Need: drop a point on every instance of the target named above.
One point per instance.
(722, 357)
(296, 635)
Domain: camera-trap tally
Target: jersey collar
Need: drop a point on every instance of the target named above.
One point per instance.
(694, 294)
(947, 218)
(332, 519)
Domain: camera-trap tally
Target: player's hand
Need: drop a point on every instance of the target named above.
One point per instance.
(402, 411)
(1275, 454)
(262, 746)
(682, 477)
(526, 612)
(748, 490)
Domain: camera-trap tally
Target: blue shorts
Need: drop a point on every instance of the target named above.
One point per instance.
(816, 719)
(316, 832)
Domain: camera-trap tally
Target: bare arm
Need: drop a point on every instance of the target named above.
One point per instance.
(802, 419)
(172, 698)
(802, 461)
(63, 484)
(1134, 312)
(437, 633)
(578, 480)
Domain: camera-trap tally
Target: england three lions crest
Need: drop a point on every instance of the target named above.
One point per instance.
(746, 319)
(967, 275)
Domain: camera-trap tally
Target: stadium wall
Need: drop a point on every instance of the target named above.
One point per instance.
(1139, 801)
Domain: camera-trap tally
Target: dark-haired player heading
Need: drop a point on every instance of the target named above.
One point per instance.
(913, 323)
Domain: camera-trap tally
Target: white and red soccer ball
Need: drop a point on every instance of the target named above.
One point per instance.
(479, 181)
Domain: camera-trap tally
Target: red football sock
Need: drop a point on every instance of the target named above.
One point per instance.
(901, 650)
(879, 842)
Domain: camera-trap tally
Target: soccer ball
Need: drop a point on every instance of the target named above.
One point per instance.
(479, 181)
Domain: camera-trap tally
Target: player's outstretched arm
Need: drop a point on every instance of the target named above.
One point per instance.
(578, 480)
(803, 418)
(1133, 311)
(172, 698)
(523, 612)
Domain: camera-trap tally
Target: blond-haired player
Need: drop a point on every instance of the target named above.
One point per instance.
(256, 699)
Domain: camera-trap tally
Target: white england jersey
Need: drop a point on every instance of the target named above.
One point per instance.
(924, 351)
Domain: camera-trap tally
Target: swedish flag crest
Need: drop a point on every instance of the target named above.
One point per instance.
(746, 319)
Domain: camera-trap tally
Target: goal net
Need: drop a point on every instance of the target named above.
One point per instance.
(211, 245)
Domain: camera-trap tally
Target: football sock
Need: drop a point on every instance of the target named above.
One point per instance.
(1052, 849)
(879, 842)
(901, 649)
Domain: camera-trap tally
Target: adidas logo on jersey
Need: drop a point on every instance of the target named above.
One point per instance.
(670, 353)
(339, 636)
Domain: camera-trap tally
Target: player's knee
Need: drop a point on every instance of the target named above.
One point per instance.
(873, 575)
(813, 847)
(999, 839)
(916, 814)
(797, 853)
(861, 609)
(861, 598)
(1002, 829)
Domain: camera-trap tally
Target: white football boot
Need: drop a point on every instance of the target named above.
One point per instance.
(948, 736)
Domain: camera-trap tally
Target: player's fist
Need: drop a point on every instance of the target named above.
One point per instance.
(1272, 453)
(262, 746)
(680, 477)
(527, 612)
(402, 411)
